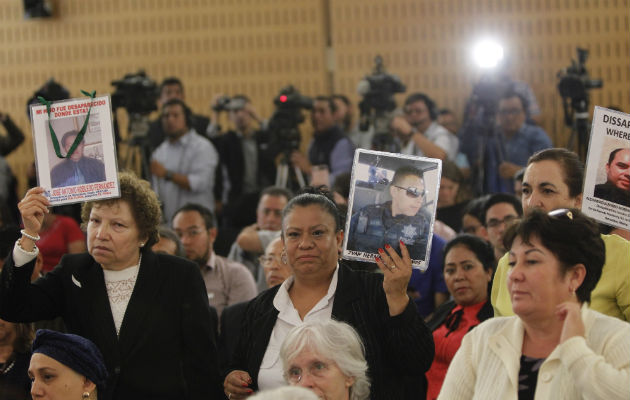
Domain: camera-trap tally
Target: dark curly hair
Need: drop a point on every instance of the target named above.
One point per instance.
(571, 236)
(144, 204)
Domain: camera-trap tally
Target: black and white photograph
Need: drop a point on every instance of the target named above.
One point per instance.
(392, 199)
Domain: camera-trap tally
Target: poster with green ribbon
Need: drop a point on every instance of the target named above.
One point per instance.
(75, 149)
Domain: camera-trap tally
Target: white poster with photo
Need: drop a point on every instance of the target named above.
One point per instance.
(393, 198)
(607, 178)
(90, 172)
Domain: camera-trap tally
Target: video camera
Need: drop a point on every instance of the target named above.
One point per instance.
(137, 93)
(225, 103)
(378, 102)
(574, 81)
(51, 91)
(285, 120)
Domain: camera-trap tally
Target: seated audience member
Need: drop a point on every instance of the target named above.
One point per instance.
(59, 235)
(77, 169)
(276, 271)
(555, 346)
(518, 183)
(427, 288)
(472, 221)
(285, 393)
(450, 205)
(168, 243)
(617, 185)
(399, 347)
(328, 358)
(329, 147)
(65, 366)
(553, 179)
(419, 133)
(500, 211)
(227, 282)
(183, 166)
(172, 88)
(341, 189)
(15, 353)
(252, 241)
(448, 120)
(468, 266)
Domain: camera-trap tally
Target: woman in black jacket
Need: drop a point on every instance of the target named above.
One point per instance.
(398, 344)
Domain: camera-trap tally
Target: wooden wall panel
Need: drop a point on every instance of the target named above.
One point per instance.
(258, 46)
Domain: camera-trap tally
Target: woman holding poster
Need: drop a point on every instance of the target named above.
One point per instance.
(147, 313)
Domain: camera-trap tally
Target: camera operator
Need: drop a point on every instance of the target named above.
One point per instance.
(247, 159)
(329, 147)
(344, 118)
(508, 152)
(420, 134)
(172, 88)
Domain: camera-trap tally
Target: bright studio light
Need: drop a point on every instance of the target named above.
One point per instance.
(487, 53)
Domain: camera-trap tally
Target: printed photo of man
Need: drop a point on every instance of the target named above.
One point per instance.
(403, 218)
(617, 185)
(76, 169)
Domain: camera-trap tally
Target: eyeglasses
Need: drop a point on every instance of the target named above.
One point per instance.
(561, 212)
(317, 369)
(412, 192)
(493, 223)
(266, 261)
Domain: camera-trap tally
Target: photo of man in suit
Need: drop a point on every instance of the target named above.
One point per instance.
(76, 169)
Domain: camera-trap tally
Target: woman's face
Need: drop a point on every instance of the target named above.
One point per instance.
(465, 277)
(7, 333)
(320, 375)
(52, 380)
(544, 187)
(535, 282)
(448, 192)
(311, 241)
(113, 238)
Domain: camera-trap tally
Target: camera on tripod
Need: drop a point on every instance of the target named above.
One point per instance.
(574, 81)
(378, 103)
(283, 124)
(136, 93)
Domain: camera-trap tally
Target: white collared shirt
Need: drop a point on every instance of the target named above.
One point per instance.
(270, 373)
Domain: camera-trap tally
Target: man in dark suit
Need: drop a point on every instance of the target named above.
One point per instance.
(76, 169)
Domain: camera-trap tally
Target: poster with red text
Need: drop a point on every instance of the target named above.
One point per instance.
(75, 151)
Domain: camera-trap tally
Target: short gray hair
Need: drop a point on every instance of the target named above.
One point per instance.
(336, 341)
(285, 393)
(169, 234)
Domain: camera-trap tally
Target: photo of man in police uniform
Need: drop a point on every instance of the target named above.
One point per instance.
(403, 218)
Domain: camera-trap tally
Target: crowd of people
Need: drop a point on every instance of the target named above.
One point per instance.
(206, 281)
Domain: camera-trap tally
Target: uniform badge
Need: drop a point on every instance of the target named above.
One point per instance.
(408, 233)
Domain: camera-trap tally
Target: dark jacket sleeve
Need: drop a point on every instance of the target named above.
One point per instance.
(14, 137)
(23, 301)
(200, 360)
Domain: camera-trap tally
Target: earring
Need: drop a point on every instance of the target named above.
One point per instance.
(86, 395)
(283, 257)
(141, 244)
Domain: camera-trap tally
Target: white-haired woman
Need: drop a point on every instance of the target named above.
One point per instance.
(327, 357)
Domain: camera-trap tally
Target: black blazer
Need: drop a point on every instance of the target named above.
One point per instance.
(399, 350)
(165, 349)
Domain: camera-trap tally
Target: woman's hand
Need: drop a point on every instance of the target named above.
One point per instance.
(397, 272)
(570, 313)
(236, 385)
(32, 208)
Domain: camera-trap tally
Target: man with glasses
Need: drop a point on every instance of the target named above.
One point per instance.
(500, 210)
(403, 218)
(419, 133)
(227, 282)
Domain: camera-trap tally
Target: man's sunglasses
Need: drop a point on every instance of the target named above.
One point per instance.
(412, 192)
